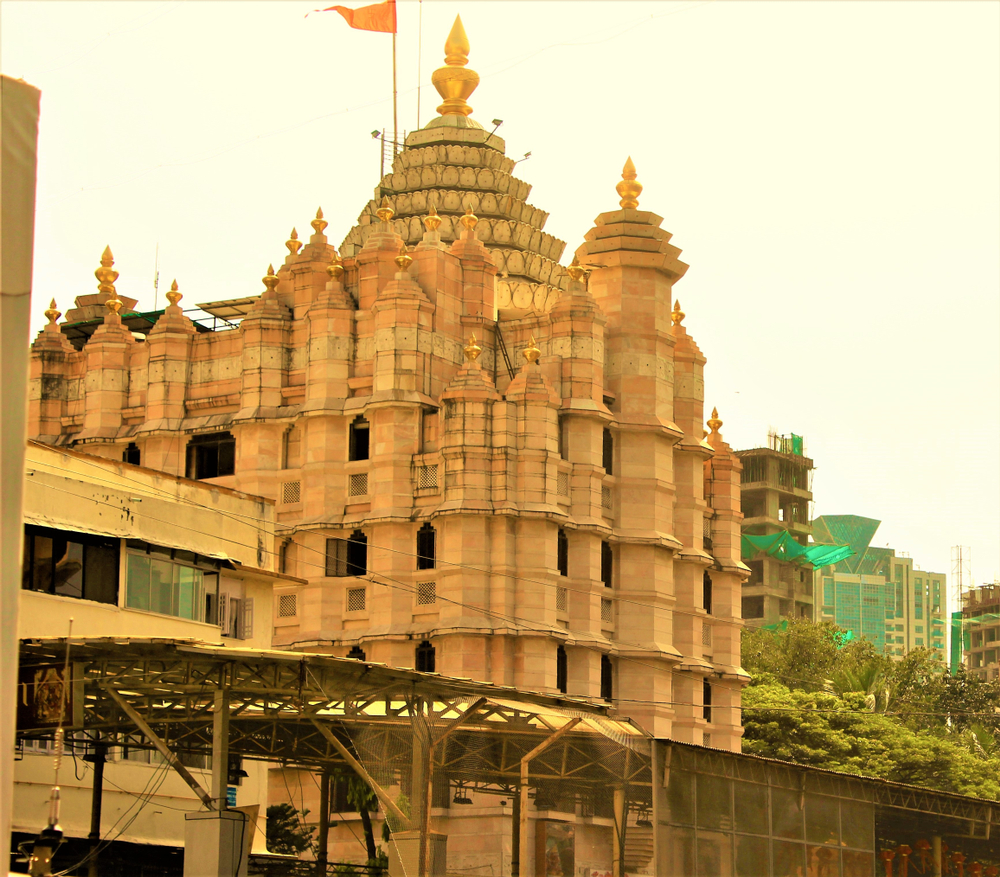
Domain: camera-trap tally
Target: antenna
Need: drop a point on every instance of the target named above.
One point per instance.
(156, 277)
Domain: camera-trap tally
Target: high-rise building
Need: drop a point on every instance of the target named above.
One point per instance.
(980, 631)
(877, 593)
(484, 464)
(776, 498)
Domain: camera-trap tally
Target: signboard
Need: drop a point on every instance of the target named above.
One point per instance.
(40, 689)
(230, 796)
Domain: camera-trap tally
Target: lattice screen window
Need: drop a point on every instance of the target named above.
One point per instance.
(706, 739)
(562, 599)
(706, 634)
(606, 612)
(291, 491)
(357, 484)
(606, 497)
(562, 484)
(427, 477)
(355, 599)
(288, 605)
(426, 593)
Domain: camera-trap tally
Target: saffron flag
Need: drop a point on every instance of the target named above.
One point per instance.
(380, 16)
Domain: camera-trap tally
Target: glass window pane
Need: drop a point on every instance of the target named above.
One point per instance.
(857, 824)
(786, 815)
(751, 856)
(751, 807)
(42, 572)
(676, 854)
(185, 591)
(137, 582)
(69, 569)
(789, 859)
(822, 819)
(161, 586)
(680, 798)
(857, 864)
(714, 802)
(822, 861)
(715, 854)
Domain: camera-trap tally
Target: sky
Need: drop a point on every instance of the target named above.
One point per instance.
(829, 171)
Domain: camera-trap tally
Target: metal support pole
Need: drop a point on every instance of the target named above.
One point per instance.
(220, 747)
(618, 850)
(515, 836)
(98, 759)
(323, 840)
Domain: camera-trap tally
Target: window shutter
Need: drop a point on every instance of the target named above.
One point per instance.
(246, 618)
(224, 613)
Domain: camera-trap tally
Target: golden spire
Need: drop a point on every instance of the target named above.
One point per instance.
(575, 270)
(629, 188)
(113, 304)
(106, 275)
(270, 280)
(335, 270)
(472, 350)
(432, 222)
(470, 219)
(385, 211)
(174, 296)
(531, 352)
(714, 423)
(293, 243)
(678, 315)
(319, 223)
(404, 260)
(452, 82)
(52, 313)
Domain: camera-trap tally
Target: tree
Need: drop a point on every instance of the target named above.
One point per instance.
(286, 830)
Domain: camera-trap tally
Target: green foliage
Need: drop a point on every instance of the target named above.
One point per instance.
(286, 831)
(817, 699)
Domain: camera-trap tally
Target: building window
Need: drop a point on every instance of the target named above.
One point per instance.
(425, 657)
(131, 454)
(563, 452)
(608, 452)
(170, 583)
(211, 456)
(356, 653)
(70, 564)
(607, 678)
(347, 557)
(286, 557)
(293, 448)
(562, 553)
(561, 669)
(607, 564)
(753, 607)
(359, 439)
(706, 591)
(425, 547)
(356, 600)
(706, 699)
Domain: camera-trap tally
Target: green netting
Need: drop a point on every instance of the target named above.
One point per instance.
(783, 546)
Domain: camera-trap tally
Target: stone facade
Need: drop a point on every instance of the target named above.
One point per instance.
(572, 516)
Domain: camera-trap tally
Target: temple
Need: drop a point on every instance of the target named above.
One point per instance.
(485, 464)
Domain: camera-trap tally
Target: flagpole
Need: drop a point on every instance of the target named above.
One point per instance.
(395, 122)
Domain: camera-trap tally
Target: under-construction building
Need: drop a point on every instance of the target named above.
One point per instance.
(776, 488)
(981, 631)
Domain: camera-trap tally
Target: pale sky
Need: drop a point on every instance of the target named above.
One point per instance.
(830, 171)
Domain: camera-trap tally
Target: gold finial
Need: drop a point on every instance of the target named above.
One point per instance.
(174, 296)
(319, 223)
(335, 270)
(385, 211)
(270, 280)
(531, 352)
(403, 260)
(575, 270)
(472, 350)
(113, 304)
(51, 313)
(432, 222)
(629, 188)
(106, 275)
(470, 219)
(453, 83)
(678, 315)
(714, 423)
(293, 243)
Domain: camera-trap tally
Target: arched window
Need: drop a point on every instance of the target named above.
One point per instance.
(562, 671)
(607, 678)
(706, 588)
(607, 564)
(357, 554)
(706, 699)
(357, 653)
(562, 553)
(426, 537)
(358, 449)
(425, 657)
(608, 452)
